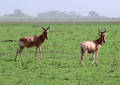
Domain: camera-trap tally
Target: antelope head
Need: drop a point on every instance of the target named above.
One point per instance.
(102, 35)
(46, 31)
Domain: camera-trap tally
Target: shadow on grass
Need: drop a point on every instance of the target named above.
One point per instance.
(7, 60)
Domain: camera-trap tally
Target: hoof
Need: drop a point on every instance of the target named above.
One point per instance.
(96, 64)
(22, 63)
(83, 66)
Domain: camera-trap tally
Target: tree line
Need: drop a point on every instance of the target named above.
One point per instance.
(55, 14)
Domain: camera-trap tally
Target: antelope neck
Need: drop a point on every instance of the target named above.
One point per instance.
(99, 41)
(44, 35)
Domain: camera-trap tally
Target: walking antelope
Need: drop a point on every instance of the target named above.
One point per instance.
(92, 47)
(34, 41)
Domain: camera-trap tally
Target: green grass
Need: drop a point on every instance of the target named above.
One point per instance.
(61, 62)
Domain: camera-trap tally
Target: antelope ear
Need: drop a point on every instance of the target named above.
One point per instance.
(43, 28)
(48, 28)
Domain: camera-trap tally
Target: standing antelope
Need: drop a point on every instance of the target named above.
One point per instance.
(92, 47)
(34, 41)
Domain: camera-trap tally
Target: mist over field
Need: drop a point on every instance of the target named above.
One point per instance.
(19, 16)
(73, 10)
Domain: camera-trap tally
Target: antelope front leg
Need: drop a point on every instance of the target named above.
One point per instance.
(35, 53)
(97, 58)
(83, 57)
(20, 52)
(16, 54)
(93, 57)
(40, 50)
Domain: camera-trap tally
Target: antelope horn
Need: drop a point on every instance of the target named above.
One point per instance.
(43, 28)
(105, 30)
(48, 27)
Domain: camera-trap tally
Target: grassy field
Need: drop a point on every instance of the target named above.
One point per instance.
(61, 62)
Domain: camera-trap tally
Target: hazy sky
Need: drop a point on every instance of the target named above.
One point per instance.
(109, 8)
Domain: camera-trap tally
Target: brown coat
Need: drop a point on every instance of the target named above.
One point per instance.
(92, 47)
(35, 41)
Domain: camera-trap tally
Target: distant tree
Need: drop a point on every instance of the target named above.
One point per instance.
(59, 15)
(93, 14)
(53, 14)
(5, 15)
(18, 11)
(72, 13)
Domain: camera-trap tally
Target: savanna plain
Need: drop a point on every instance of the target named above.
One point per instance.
(61, 55)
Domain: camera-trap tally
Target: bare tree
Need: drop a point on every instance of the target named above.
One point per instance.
(93, 14)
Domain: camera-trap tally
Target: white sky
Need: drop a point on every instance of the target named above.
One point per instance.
(109, 8)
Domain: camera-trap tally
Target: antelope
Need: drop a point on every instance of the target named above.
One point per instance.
(92, 47)
(35, 41)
